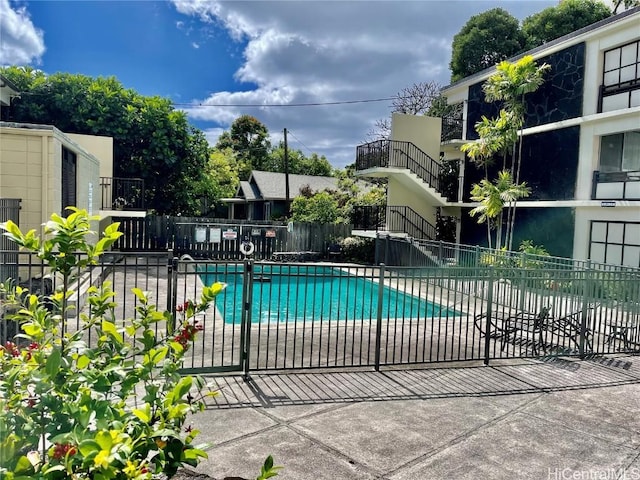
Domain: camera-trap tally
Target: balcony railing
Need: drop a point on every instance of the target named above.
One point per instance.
(122, 193)
(399, 154)
(616, 186)
(398, 219)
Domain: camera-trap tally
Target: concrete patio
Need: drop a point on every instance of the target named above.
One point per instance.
(550, 418)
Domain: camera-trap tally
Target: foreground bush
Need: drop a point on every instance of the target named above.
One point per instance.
(110, 408)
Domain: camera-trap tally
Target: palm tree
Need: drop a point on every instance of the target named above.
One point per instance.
(493, 197)
(510, 84)
(495, 136)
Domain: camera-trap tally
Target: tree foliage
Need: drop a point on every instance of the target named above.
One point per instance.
(486, 39)
(494, 35)
(151, 140)
(493, 197)
(336, 206)
(249, 140)
(566, 17)
(221, 173)
(298, 162)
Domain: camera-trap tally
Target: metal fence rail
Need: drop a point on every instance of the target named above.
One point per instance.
(393, 251)
(320, 315)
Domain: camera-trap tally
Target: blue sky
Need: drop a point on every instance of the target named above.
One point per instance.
(255, 52)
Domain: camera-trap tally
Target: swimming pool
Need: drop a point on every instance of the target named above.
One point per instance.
(286, 293)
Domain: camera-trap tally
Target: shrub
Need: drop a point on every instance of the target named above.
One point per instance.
(102, 402)
(358, 249)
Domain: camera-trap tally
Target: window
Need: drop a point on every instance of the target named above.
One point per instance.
(617, 243)
(621, 78)
(620, 152)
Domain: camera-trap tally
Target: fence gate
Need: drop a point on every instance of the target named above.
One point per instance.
(220, 346)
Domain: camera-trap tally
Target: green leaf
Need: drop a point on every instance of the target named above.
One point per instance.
(104, 440)
(140, 295)
(53, 362)
(143, 415)
(82, 362)
(193, 454)
(110, 329)
(87, 447)
(23, 466)
(182, 387)
(32, 329)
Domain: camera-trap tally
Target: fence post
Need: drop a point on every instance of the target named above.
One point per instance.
(386, 249)
(588, 291)
(247, 298)
(412, 253)
(172, 289)
(487, 327)
(379, 315)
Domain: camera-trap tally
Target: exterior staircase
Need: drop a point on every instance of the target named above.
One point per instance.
(393, 220)
(400, 155)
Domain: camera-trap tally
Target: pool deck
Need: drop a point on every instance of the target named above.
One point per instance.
(533, 419)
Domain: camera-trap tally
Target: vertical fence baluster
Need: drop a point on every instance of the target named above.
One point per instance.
(487, 327)
(247, 297)
(379, 316)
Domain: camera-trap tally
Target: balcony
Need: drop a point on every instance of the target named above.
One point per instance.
(616, 186)
(126, 194)
(398, 154)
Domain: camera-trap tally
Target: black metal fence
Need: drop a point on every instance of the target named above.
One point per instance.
(322, 315)
(407, 252)
(395, 219)
(122, 193)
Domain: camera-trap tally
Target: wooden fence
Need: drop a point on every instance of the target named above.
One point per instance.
(221, 238)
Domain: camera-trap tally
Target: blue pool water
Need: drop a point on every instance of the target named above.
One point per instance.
(314, 293)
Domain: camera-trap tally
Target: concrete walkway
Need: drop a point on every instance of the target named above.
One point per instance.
(536, 419)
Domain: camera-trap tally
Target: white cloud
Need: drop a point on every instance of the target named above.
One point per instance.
(315, 52)
(20, 41)
(195, 45)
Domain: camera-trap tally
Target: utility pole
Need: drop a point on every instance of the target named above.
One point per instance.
(287, 200)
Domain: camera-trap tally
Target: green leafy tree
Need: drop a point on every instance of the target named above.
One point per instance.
(298, 162)
(336, 206)
(562, 19)
(222, 175)
(152, 140)
(249, 140)
(321, 207)
(486, 39)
